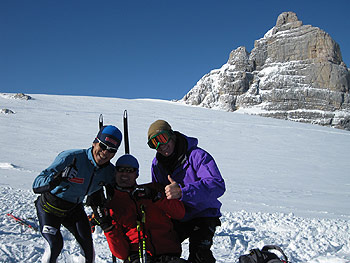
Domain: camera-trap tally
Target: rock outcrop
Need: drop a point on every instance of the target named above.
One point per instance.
(294, 72)
(20, 96)
(6, 111)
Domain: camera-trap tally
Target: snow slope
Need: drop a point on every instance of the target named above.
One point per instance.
(287, 183)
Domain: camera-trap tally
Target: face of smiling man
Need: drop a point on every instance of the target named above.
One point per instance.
(166, 149)
(126, 177)
(101, 156)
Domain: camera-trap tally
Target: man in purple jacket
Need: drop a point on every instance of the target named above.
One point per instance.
(191, 175)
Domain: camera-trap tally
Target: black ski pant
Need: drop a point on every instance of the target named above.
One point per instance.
(200, 232)
(76, 222)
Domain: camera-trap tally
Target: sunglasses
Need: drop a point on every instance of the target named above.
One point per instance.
(122, 169)
(158, 139)
(104, 146)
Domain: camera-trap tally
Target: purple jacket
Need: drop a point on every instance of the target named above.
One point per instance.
(200, 181)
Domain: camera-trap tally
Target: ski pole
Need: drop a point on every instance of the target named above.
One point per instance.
(22, 222)
(143, 222)
(138, 222)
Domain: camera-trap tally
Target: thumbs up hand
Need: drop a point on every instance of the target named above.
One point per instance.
(172, 190)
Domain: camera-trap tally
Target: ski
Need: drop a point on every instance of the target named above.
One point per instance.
(127, 150)
(100, 122)
(22, 222)
(140, 223)
(126, 133)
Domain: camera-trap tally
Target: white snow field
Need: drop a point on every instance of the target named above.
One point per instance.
(287, 183)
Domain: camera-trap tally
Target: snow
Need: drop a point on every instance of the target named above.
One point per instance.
(287, 183)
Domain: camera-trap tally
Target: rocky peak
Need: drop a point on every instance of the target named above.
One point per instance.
(288, 20)
(294, 72)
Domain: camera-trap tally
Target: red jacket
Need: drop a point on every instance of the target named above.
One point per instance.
(160, 235)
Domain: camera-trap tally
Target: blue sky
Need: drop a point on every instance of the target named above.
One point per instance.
(139, 49)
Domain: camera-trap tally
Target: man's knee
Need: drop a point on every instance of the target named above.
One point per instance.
(54, 245)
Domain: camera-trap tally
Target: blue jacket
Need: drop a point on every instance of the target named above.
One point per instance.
(199, 178)
(89, 179)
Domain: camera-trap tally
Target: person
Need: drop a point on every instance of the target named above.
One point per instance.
(190, 175)
(63, 186)
(137, 218)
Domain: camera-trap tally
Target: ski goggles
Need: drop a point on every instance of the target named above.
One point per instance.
(160, 138)
(122, 169)
(104, 146)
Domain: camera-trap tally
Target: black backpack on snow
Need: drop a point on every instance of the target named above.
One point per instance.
(263, 256)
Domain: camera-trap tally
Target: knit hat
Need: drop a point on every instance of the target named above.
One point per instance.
(127, 160)
(110, 135)
(157, 127)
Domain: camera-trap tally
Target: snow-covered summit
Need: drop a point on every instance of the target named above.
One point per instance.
(294, 72)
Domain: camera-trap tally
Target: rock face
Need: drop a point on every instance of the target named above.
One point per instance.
(294, 72)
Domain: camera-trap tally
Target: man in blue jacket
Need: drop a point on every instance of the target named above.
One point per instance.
(191, 175)
(63, 186)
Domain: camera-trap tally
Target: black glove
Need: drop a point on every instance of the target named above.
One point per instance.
(100, 198)
(144, 192)
(70, 171)
(102, 218)
(96, 199)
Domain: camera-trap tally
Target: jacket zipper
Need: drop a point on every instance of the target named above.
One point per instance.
(91, 177)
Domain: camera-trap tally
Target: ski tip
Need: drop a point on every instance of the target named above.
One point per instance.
(100, 121)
